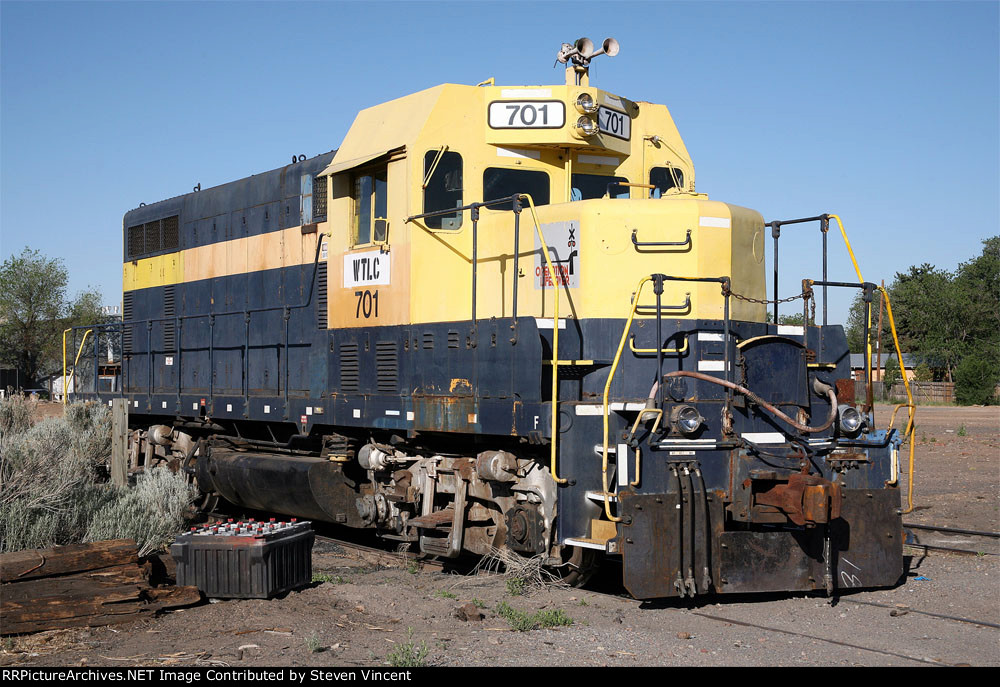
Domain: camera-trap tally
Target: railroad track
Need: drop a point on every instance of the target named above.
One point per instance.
(925, 538)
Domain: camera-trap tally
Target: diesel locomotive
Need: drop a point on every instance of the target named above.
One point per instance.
(503, 317)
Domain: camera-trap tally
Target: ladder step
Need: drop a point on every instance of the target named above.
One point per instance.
(441, 519)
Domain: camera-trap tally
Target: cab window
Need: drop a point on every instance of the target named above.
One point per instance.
(369, 195)
(499, 182)
(588, 186)
(443, 188)
(663, 179)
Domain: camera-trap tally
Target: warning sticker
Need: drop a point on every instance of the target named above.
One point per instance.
(563, 239)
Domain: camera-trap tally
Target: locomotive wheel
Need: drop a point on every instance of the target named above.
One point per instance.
(579, 565)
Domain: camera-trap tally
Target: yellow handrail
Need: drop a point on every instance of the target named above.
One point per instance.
(681, 350)
(75, 362)
(607, 390)
(555, 341)
(906, 382)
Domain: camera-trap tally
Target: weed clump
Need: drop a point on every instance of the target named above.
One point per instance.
(408, 654)
(522, 621)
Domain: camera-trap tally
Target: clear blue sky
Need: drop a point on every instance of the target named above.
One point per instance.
(883, 112)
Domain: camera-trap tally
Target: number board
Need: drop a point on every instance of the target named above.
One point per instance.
(615, 123)
(527, 114)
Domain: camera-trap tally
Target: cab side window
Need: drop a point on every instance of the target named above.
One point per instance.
(443, 188)
(663, 179)
(370, 209)
(588, 186)
(499, 182)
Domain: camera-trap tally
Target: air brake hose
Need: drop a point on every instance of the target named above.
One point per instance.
(761, 402)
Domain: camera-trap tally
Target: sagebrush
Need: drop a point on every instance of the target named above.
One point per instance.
(54, 487)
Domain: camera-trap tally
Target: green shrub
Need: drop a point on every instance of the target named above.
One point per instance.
(976, 377)
(408, 654)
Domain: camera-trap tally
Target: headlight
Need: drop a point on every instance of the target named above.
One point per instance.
(851, 421)
(585, 104)
(686, 419)
(585, 127)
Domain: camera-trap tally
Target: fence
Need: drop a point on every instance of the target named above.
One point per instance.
(923, 392)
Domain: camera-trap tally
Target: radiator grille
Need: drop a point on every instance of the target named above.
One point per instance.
(152, 231)
(350, 373)
(135, 241)
(152, 237)
(387, 366)
(171, 235)
(319, 199)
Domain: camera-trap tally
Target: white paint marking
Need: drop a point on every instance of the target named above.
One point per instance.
(584, 544)
(791, 330)
(711, 336)
(622, 459)
(409, 415)
(598, 160)
(357, 413)
(267, 409)
(164, 404)
(719, 222)
(194, 406)
(711, 365)
(392, 412)
(521, 153)
(546, 323)
(526, 93)
(764, 437)
(229, 407)
(309, 410)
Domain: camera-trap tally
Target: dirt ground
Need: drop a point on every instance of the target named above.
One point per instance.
(374, 615)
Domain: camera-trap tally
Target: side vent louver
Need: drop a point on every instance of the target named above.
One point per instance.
(387, 366)
(127, 309)
(170, 326)
(428, 340)
(350, 372)
(452, 339)
(321, 320)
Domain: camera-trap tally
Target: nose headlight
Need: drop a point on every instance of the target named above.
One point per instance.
(585, 104)
(686, 419)
(851, 420)
(585, 127)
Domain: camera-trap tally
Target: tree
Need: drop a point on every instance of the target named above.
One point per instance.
(855, 326)
(892, 374)
(34, 312)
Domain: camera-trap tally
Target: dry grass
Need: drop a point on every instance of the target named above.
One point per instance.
(521, 575)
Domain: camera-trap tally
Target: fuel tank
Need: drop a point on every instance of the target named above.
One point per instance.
(313, 488)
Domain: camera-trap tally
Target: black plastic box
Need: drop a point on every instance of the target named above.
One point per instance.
(246, 559)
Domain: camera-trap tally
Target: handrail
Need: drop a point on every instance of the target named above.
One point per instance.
(555, 343)
(686, 243)
(246, 312)
(895, 339)
(607, 390)
(75, 362)
(631, 344)
(515, 200)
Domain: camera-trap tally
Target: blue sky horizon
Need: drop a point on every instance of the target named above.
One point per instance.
(886, 113)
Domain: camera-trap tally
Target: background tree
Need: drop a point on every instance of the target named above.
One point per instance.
(34, 312)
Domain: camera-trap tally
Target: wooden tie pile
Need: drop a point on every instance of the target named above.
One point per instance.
(81, 585)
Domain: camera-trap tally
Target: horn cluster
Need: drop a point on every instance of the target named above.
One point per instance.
(582, 52)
